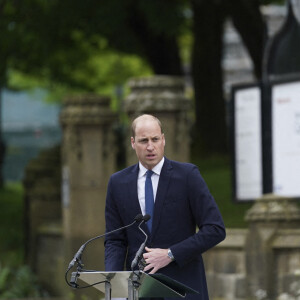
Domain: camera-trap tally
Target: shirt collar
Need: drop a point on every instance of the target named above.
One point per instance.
(156, 169)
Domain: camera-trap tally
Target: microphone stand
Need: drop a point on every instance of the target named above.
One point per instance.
(134, 280)
(77, 256)
(139, 253)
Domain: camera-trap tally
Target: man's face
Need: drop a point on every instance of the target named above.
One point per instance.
(148, 143)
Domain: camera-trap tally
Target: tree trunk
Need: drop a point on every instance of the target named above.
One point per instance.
(2, 145)
(160, 49)
(163, 55)
(210, 133)
(248, 21)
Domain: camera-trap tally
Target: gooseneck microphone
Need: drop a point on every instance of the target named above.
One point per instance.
(77, 256)
(139, 253)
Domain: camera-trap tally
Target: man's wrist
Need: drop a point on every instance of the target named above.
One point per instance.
(170, 255)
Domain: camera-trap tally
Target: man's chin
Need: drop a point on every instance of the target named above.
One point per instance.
(151, 162)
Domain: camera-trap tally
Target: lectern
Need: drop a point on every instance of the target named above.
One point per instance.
(132, 285)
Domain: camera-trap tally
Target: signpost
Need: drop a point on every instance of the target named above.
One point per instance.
(265, 130)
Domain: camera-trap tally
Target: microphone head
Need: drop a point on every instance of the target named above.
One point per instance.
(146, 218)
(139, 218)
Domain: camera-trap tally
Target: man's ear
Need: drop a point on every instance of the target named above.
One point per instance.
(132, 143)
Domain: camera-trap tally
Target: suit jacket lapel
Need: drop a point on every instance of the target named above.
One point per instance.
(134, 204)
(163, 184)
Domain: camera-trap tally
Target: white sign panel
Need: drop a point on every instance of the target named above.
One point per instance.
(286, 139)
(248, 144)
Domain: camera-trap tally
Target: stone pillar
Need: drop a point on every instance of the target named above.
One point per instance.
(42, 208)
(266, 217)
(162, 96)
(88, 159)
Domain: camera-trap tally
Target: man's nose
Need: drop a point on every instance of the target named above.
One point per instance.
(150, 146)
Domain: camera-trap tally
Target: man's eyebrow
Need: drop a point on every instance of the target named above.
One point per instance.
(143, 139)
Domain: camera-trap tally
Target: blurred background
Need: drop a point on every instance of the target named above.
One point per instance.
(53, 53)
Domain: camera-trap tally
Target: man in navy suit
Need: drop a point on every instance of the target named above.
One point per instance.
(182, 202)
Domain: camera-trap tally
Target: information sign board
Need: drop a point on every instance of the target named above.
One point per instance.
(246, 111)
(285, 103)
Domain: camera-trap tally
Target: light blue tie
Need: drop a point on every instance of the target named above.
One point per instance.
(149, 198)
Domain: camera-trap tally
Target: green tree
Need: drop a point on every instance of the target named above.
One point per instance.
(57, 39)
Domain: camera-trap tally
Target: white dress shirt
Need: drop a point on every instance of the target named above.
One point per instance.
(141, 182)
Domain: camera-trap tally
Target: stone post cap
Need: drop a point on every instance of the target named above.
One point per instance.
(87, 109)
(157, 81)
(157, 93)
(86, 99)
(272, 207)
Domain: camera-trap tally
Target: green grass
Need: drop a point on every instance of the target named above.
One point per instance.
(11, 225)
(216, 172)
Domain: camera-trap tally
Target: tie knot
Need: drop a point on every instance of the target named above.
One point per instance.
(149, 173)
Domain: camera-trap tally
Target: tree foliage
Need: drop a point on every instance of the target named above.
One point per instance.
(86, 45)
(55, 37)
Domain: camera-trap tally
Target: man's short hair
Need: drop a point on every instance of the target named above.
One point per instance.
(133, 125)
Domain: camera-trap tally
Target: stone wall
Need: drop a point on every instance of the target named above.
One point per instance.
(263, 261)
(286, 247)
(225, 267)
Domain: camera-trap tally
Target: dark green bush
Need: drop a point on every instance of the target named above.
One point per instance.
(11, 225)
(19, 283)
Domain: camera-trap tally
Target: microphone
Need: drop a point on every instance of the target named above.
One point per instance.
(77, 256)
(139, 253)
(146, 218)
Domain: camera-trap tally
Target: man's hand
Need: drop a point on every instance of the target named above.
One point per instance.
(156, 259)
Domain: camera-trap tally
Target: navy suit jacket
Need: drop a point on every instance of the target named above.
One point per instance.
(183, 203)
